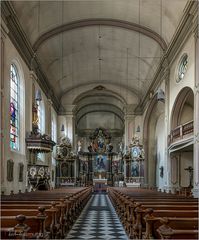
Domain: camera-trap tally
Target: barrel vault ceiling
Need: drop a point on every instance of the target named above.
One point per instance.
(113, 46)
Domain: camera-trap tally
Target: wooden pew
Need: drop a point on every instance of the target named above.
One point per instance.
(132, 210)
(177, 228)
(68, 207)
(33, 225)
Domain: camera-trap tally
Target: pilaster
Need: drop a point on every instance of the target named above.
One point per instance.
(4, 32)
(196, 119)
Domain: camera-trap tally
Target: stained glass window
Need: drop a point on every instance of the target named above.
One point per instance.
(182, 67)
(39, 113)
(14, 108)
(53, 136)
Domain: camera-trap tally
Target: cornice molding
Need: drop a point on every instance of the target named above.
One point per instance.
(22, 44)
(102, 22)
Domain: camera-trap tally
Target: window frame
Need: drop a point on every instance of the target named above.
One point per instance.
(182, 68)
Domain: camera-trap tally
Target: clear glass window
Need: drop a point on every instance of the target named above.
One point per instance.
(182, 67)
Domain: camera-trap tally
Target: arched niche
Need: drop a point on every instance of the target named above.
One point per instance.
(183, 109)
(181, 145)
(154, 117)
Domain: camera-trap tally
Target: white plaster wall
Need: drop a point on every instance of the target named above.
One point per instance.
(186, 160)
(67, 121)
(160, 150)
(11, 55)
(138, 122)
(100, 119)
(187, 114)
(189, 77)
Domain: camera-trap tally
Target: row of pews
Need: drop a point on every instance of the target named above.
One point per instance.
(148, 214)
(42, 214)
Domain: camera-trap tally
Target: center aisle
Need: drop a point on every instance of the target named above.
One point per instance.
(98, 220)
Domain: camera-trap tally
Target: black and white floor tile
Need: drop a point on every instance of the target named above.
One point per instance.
(98, 220)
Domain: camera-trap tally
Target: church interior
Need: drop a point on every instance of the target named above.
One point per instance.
(99, 119)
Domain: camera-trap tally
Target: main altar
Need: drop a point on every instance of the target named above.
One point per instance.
(100, 166)
(97, 164)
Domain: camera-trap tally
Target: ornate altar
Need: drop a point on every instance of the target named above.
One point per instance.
(100, 165)
(134, 164)
(65, 163)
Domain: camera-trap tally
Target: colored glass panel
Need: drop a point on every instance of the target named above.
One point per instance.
(14, 108)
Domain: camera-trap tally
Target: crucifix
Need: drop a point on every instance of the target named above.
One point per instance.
(190, 170)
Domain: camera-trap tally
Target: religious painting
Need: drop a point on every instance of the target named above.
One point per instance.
(134, 169)
(100, 141)
(53, 175)
(10, 169)
(135, 152)
(115, 166)
(64, 169)
(21, 167)
(101, 163)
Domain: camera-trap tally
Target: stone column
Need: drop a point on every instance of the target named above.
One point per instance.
(196, 119)
(167, 162)
(129, 128)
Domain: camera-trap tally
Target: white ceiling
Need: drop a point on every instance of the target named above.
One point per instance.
(81, 58)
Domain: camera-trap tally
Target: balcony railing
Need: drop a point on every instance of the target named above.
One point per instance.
(180, 132)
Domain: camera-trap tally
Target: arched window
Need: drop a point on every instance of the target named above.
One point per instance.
(53, 133)
(40, 114)
(14, 107)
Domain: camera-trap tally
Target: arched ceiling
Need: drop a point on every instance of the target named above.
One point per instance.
(114, 43)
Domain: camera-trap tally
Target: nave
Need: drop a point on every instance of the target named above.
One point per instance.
(98, 221)
(99, 96)
(84, 213)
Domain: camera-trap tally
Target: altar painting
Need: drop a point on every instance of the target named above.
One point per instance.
(101, 163)
(135, 169)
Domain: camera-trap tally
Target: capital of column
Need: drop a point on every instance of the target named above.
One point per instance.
(33, 76)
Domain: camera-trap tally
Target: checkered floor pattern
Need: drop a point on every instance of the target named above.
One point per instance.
(98, 220)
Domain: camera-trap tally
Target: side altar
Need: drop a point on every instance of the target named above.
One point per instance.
(66, 162)
(134, 163)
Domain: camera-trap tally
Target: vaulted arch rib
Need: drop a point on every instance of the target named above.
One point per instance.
(103, 22)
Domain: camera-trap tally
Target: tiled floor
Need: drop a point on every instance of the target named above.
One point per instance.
(98, 220)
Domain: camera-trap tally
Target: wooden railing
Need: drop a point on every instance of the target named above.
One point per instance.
(180, 132)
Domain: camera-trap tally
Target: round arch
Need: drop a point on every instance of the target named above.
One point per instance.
(153, 113)
(183, 105)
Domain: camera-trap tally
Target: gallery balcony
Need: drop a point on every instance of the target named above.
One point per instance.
(181, 133)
